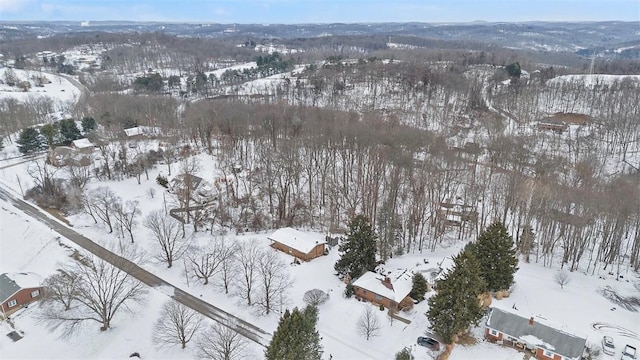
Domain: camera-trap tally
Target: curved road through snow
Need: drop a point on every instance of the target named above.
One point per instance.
(248, 330)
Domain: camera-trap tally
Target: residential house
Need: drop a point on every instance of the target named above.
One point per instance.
(17, 290)
(65, 155)
(140, 132)
(391, 291)
(543, 341)
(83, 145)
(298, 244)
(201, 190)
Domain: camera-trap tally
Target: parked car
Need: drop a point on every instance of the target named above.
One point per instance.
(429, 342)
(607, 345)
(628, 353)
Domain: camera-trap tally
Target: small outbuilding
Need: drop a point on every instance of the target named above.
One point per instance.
(301, 245)
(17, 290)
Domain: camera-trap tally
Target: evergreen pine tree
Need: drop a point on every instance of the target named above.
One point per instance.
(359, 249)
(50, 132)
(419, 287)
(69, 130)
(88, 124)
(456, 304)
(29, 141)
(296, 336)
(496, 253)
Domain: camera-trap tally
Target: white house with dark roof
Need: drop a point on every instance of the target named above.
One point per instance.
(542, 340)
(302, 245)
(18, 290)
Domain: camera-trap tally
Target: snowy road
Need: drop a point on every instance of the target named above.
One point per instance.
(250, 331)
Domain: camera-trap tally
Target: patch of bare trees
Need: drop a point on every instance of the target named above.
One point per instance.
(91, 290)
(211, 260)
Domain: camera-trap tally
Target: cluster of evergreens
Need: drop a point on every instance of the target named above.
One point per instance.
(486, 265)
(61, 132)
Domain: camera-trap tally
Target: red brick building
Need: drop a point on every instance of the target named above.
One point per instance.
(301, 245)
(530, 335)
(391, 291)
(18, 290)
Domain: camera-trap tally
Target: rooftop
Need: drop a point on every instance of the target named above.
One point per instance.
(401, 283)
(10, 283)
(82, 143)
(539, 334)
(295, 239)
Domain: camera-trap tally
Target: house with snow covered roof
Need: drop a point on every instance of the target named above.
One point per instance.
(83, 145)
(542, 340)
(391, 291)
(18, 290)
(301, 245)
(139, 132)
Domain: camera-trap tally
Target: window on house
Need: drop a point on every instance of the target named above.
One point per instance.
(12, 303)
(493, 332)
(548, 353)
(35, 293)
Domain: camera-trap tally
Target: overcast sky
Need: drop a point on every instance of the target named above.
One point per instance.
(321, 11)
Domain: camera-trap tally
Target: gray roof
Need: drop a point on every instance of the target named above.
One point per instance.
(568, 345)
(8, 287)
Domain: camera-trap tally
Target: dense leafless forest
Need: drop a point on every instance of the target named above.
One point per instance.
(424, 137)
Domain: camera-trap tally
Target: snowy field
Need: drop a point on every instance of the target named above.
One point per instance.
(59, 90)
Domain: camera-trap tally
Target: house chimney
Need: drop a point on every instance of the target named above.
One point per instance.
(387, 283)
(531, 321)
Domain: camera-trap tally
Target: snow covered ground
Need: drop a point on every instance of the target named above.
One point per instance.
(27, 245)
(59, 89)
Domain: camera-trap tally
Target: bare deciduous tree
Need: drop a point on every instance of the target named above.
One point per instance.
(126, 215)
(562, 278)
(100, 202)
(315, 297)
(273, 280)
(205, 263)
(62, 287)
(228, 270)
(247, 260)
(177, 324)
(221, 342)
(78, 175)
(95, 291)
(49, 191)
(166, 231)
(368, 323)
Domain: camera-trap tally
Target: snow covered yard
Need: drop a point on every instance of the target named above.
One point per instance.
(28, 245)
(55, 87)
